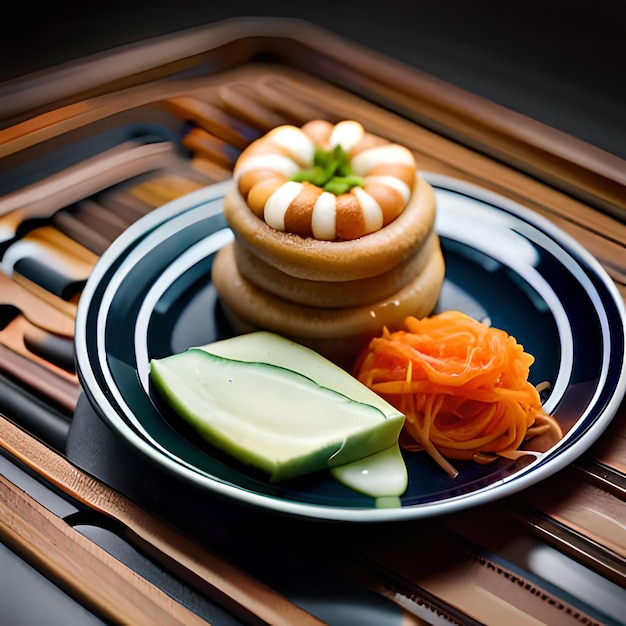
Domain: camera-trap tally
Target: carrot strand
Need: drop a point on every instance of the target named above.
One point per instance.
(462, 385)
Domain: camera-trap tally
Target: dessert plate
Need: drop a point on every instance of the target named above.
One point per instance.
(150, 295)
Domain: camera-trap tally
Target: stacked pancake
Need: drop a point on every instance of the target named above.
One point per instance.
(334, 238)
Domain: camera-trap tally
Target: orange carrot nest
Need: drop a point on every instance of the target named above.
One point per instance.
(462, 385)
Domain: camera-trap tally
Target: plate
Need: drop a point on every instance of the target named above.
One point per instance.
(150, 295)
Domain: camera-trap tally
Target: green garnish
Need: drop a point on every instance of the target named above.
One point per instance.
(331, 171)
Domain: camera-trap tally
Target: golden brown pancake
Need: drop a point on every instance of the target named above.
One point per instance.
(249, 308)
(312, 259)
(330, 294)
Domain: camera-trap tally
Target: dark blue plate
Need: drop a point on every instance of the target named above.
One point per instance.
(150, 295)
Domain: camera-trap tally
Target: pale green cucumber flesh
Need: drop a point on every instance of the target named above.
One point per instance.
(266, 347)
(277, 420)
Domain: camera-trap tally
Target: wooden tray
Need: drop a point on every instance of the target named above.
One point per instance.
(109, 136)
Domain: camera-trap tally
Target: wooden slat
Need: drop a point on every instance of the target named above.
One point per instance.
(193, 562)
(41, 199)
(575, 167)
(460, 582)
(80, 567)
(586, 521)
(610, 449)
(35, 309)
(43, 378)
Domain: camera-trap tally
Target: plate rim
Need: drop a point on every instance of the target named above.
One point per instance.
(217, 486)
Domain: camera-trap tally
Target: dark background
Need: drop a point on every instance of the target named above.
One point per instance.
(563, 63)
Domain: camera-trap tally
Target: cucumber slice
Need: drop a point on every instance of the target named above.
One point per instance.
(287, 413)
(266, 347)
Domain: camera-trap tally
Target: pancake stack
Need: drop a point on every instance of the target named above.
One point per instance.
(334, 239)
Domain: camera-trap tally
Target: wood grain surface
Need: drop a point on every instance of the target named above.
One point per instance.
(576, 186)
(239, 592)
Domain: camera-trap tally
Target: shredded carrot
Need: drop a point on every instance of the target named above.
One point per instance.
(462, 385)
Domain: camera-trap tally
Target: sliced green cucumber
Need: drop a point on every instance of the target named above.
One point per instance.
(266, 347)
(288, 412)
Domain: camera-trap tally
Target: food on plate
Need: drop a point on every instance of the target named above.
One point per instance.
(326, 181)
(283, 409)
(334, 238)
(462, 385)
